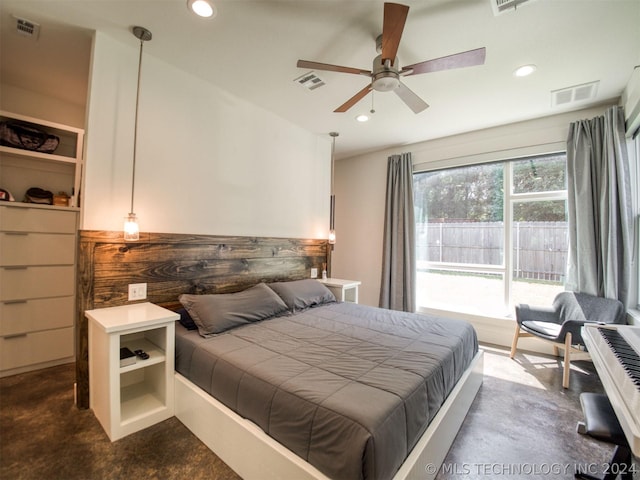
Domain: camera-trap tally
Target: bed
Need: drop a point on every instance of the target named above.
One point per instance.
(282, 381)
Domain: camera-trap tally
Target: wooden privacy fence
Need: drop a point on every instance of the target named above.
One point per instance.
(539, 248)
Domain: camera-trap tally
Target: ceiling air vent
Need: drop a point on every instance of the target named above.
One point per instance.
(501, 6)
(310, 81)
(575, 94)
(27, 28)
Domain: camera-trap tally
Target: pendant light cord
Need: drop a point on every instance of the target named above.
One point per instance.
(135, 128)
(143, 35)
(333, 153)
(332, 206)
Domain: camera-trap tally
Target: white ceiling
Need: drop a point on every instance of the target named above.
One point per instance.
(251, 47)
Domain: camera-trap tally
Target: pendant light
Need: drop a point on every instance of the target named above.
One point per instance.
(131, 229)
(332, 211)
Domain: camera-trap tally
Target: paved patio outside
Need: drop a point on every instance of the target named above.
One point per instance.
(479, 294)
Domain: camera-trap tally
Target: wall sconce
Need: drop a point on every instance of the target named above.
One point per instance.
(332, 211)
(131, 229)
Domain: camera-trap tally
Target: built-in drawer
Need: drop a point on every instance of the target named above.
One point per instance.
(23, 248)
(25, 219)
(21, 316)
(33, 348)
(20, 283)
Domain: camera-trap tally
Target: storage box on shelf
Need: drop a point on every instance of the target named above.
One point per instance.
(60, 171)
(37, 296)
(130, 398)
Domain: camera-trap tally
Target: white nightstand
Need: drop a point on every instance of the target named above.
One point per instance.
(344, 290)
(128, 399)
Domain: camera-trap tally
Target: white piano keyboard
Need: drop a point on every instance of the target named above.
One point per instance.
(615, 351)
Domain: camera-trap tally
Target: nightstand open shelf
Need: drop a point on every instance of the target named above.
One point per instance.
(142, 398)
(156, 352)
(130, 398)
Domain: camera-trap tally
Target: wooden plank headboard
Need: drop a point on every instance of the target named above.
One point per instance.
(172, 264)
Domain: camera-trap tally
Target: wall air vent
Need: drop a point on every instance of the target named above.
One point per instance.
(575, 94)
(309, 81)
(501, 6)
(27, 28)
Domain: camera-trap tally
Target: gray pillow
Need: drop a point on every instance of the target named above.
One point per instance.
(219, 312)
(302, 294)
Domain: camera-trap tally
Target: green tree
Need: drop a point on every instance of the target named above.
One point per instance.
(476, 193)
(461, 194)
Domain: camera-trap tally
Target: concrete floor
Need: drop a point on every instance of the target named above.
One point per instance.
(521, 425)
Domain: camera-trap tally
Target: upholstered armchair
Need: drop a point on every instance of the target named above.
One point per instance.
(562, 322)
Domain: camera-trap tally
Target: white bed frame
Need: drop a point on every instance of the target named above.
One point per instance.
(254, 455)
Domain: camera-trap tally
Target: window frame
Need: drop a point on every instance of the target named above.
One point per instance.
(509, 199)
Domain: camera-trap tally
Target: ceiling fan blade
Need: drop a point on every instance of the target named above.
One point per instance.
(395, 16)
(353, 100)
(457, 60)
(413, 101)
(331, 68)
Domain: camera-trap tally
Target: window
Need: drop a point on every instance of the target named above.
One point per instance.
(635, 198)
(468, 217)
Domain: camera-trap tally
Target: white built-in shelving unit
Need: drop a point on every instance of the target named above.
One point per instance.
(38, 251)
(130, 398)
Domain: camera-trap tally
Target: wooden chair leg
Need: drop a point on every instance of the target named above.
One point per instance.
(567, 360)
(514, 343)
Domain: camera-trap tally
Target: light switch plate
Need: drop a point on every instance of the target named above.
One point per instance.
(137, 291)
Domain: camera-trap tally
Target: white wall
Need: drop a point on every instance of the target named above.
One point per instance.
(360, 186)
(33, 104)
(207, 162)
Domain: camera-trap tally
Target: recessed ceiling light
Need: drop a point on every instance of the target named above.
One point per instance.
(524, 70)
(202, 8)
(362, 118)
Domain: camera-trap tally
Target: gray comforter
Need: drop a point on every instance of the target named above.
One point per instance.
(348, 388)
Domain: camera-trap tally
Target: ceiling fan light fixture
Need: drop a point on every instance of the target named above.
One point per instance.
(202, 8)
(384, 77)
(385, 83)
(525, 70)
(363, 117)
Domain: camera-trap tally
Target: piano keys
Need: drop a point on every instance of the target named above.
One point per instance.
(615, 351)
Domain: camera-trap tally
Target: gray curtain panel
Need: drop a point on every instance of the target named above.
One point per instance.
(399, 258)
(599, 200)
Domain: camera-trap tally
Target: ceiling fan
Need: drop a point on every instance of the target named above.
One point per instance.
(385, 72)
